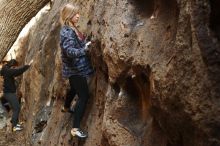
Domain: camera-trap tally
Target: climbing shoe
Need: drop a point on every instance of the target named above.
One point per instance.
(79, 133)
(20, 124)
(64, 109)
(17, 128)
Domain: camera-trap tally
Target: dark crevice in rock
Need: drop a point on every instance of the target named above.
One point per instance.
(144, 7)
(135, 94)
(154, 8)
(104, 141)
(210, 50)
(97, 58)
(214, 17)
(40, 126)
(130, 88)
(116, 87)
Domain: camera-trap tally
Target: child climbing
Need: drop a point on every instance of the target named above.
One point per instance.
(9, 72)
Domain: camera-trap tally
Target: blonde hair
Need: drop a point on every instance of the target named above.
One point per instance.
(67, 12)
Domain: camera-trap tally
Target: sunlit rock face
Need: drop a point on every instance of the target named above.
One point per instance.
(156, 81)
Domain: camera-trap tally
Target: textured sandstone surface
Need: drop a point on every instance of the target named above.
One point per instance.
(157, 75)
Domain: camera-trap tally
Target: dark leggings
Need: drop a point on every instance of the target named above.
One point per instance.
(13, 101)
(79, 86)
(70, 95)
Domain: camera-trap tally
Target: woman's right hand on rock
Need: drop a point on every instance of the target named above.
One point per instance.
(30, 62)
(87, 45)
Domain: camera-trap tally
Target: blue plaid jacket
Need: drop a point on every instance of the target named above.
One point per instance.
(73, 54)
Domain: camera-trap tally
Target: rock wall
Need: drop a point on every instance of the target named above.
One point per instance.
(157, 75)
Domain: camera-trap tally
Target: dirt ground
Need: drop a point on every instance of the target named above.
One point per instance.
(7, 138)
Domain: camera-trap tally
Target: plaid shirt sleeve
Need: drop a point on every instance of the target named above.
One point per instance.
(69, 43)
